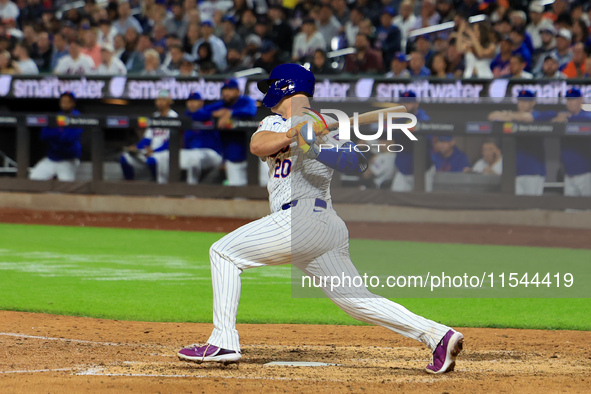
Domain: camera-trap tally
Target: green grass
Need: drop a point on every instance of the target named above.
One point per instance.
(150, 275)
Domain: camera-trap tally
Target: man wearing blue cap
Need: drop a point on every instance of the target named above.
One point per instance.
(63, 146)
(448, 157)
(231, 106)
(531, 161)
(404, 178)
(398, 67)
(575, 151)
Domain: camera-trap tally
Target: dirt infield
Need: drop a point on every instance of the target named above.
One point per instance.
(46, 353)
(60, 354)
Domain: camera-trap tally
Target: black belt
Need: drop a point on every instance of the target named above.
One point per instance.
(318, 203)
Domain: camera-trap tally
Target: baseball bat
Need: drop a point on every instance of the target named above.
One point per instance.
(370, 117)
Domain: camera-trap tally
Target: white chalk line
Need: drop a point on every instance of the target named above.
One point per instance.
(38, 370)
(17, 335)
(99, 372)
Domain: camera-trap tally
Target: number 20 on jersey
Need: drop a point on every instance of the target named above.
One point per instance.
(282, 168)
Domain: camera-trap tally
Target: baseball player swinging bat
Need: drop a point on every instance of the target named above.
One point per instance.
(369, 117)
(303, 229)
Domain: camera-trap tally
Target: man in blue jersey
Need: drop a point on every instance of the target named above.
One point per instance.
(575, 151)
(448, 157)
(202, 149)
(404, 178)
(531, 161)
(63, 146)
(233, 105)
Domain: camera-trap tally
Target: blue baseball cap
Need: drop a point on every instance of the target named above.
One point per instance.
(161, 2)
(390, 11)
(573, 93)
(230, 84)
(524, 93)
(445, 138)
(68, 93)
(207, 23)
(401, 57)
(268, 46)
(194, 96)
(229, 18)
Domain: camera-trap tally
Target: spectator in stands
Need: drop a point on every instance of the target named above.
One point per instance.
(563, 51)
(235, 60)
(29, 35)
(91, 47)
(125, 19)
(218, 48)
(581, 33)
(405, 21)
(352, 25)
(307, 41)
(521, 47)
(173, 63)
(445, 9)
(187, 67)
(176, 22)
(576, 67)
(60, 49)
(26, 65)
(474, 42)
(398, 67)
(7, 64)
(269, 58)
(388, 37)
(341, 12)
(550, 68)
(152, 65)
(439, 67)
(141, 155)
(423, 45)
(531, 162)
(537, 23)
(548, 44)
(106, 32)
(575, 152)
(247, 22)
(416, 66)
(455, 60)
(320, 65)
(63, 146)
(517, 66)
(500, 64)
(229, 35)
(232, 106)
(328, 25)
(42, 52)
(281, 32)
(448, 157)
(76, 62)
(366, 60)
(190, 38)
(110, 65)
(119, 45)
(491, 162)
(8, 10)
(428, 16)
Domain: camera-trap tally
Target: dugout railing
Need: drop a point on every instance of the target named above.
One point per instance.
(95, 125)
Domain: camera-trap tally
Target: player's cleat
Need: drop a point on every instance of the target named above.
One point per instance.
(444, 356)
(208, 353)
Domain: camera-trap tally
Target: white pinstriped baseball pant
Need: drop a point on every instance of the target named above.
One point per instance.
(316, 241)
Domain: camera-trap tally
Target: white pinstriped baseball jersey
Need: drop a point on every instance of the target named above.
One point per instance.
(291, 175)
(159, 135)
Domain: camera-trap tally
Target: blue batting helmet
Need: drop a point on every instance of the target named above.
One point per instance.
(286, 80)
